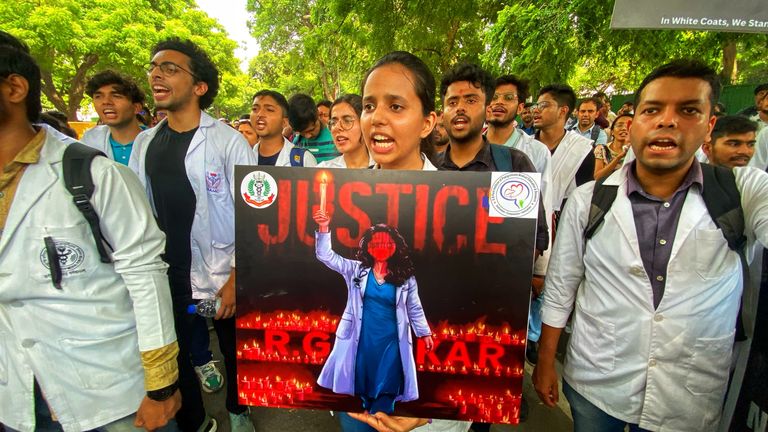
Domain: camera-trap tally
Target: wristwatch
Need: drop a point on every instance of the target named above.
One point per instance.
(164, 393)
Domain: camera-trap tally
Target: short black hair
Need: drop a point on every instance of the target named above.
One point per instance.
(472, 73)
(732, 124)
(302, 111)
(246, 116)
(201, 64)
(684, 68)
(519, 83)
(760, 88)
(123, 84)
(594, 99)
(562, 93)
(601, 95)
(16, 59)
(277, 96)
(325, 102)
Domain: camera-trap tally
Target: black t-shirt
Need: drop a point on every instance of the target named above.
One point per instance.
(268, 160)
(173, 196)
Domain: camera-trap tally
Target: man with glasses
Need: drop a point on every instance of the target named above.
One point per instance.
(187, 164)
(509, 96)
(269, 116)
(573, 162)
(311, 133)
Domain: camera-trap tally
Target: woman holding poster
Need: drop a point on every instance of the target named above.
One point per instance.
(397, 121)
(372, 357)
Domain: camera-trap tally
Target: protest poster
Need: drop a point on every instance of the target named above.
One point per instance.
(459, 252)
(743, 16)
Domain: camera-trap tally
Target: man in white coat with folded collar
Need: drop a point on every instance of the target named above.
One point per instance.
(656, 292)
(86, 342)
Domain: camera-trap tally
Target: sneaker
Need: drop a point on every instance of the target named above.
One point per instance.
(209, 425)
(241, 422)
(210, 377)
(532, 352)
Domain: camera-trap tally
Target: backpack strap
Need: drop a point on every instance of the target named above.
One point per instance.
(602, 198)
(78, 181)
(502, 157)
(297, 156)
(723, 201)
(595, 134)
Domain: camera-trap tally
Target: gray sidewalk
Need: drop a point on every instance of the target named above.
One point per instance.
(540, 418)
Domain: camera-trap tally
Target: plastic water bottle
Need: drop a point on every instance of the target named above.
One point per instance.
(206, 308)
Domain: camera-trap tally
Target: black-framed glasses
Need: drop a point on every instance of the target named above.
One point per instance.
(507, 97)
(345, 122)
(168, 69)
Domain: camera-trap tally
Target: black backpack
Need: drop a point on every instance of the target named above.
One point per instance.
(723, 202)
(78, 181)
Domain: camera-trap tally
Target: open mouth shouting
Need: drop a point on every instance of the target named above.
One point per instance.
(662, 145)
(460, 123)
(381, 143)
(160, 92)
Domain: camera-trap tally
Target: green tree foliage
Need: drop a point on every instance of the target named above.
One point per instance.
(72, 40)
(324, 47)
(571, 41)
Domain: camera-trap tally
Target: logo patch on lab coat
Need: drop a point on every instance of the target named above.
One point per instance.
(71, 257)
(213, 181)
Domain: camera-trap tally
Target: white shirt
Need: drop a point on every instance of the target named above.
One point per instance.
(339, 162)
(664, 369)
(760, 158)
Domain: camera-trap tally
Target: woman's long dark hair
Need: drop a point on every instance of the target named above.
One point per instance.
(399, 265)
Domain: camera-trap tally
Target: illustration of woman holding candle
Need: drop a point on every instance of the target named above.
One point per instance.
(372, 357)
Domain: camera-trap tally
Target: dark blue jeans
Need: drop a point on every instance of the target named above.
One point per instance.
(589, 418)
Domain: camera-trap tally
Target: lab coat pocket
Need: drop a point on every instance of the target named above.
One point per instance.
(75, 248)
(595, 340)
(101, 363)
(709, 364)
(344, 330)
(3, 358)
(711, 253)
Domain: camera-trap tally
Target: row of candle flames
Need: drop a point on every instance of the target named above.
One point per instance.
(276, 392)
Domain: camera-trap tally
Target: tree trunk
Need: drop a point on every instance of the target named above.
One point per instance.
(728, 74)
(49, 90)
(77, 87)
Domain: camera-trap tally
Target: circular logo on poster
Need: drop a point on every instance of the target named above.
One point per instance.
(258, 189)
(514, 194)
(70, 255)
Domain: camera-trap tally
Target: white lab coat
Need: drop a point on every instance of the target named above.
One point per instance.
(81, 342)
(98, 138)
(284, 158)
(664, 369)
(210, 162)
(760, 158)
